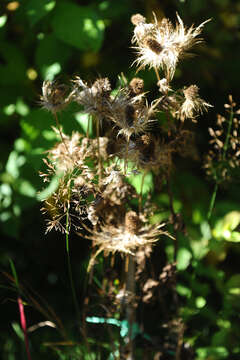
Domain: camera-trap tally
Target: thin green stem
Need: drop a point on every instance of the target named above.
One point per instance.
(212, 202)
(225, 147)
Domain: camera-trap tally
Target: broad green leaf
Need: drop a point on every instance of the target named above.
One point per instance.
(136, 181)
(50, 51)
(15, 161)
(85, 121)
(78, 26)
(3, 20)
(183, 258)
(36, 9)
(13, 65)
(224, 227)
(212, 352)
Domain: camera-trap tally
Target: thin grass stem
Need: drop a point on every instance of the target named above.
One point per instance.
(225, 147)
(74, 296)
(141, 192)
(212, 201)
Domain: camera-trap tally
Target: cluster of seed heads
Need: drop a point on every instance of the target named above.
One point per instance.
(94, 196)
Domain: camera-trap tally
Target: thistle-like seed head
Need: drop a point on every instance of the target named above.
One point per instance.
(160, 45)
(54, 96)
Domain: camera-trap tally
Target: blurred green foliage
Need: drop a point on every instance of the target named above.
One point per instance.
(46, 39)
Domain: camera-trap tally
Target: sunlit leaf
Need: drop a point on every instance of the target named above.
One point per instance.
(78, 26)
(183, 258)
(36, 9)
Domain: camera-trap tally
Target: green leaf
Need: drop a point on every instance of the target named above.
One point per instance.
(53, 185)
(15, 161)
(78, 26)
(17, 328)
(224, 227)
(85, 121)
(212, 352)
(136, 181)
(3, 20)
(183, 258)
(36, 9)
(51, 51)
(13, 70)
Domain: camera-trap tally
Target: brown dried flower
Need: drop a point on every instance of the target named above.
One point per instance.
(125, 237)
(192, 105)
(54, 96)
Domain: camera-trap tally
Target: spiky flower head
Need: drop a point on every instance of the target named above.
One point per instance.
(161, 45)
(192, 105)
(54, 96)
(132, 116)
(95, 99)
(126, 237)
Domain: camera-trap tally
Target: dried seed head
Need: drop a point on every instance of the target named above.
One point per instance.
(164, 86)
(153, 45)
(94, 99)
(53, 96)
(132, 222)
(136, 86)
(146, 139)
(102, 86)
(137, 19)
(191, 92)
(161, 45)
(192, 105)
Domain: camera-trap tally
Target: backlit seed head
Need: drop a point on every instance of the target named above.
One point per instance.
(136, 86)
(153, 45)
(54, 96)
(137, 19)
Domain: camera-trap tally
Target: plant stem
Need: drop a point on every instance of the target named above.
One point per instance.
(157, 73)
(70, 268)
(141, 192)
(60, 133)
(174, 217)
(130, 287)
(212, 202)
(98, 143)
(225, 147)
(125, 159)
(21, 310)
(228, 134)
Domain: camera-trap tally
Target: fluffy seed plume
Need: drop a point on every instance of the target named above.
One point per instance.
(161, 45)
(192, 105)
(126, 237)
